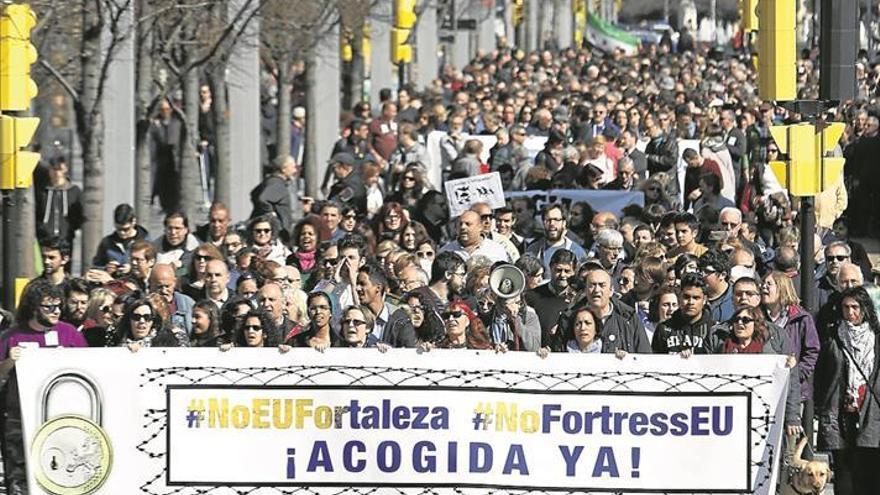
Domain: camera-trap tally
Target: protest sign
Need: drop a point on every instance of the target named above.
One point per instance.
(463, 193)
(165, 421)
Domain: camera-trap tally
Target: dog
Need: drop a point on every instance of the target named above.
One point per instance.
(810, 477)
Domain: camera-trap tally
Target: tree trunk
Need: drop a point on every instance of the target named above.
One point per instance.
(313, 176)
(143, 84)
(24, 226)
(357, 65)
(220, 110)
(90, 128)
(191, 195)
(285, 90)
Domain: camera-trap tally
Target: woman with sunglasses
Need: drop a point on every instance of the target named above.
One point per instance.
(255, 329)
(422, 306)
(749, 332)
(141, 326)
(193, 283)
(357, 329)
(411, 187)
(264, 239)
(464, 330)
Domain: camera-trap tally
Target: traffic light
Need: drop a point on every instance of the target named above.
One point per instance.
(404, 22)
(808, 171)
(345, 50)
(519, 12)
(748, 15)
(16, 166)
(16, 56)
(777, 52)
(579, 12)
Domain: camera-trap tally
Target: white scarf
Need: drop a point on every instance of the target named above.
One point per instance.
(861, 340)
(594, 348)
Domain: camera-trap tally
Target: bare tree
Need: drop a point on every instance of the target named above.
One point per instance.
(190, 37)
(97, 29)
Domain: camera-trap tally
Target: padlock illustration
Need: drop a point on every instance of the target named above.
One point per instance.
(71, 454)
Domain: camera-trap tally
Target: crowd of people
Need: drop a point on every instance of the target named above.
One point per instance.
(708, 264)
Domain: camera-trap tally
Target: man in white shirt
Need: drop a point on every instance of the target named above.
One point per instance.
(470, 241)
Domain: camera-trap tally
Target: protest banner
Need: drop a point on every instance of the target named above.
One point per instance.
(463, 193)
(187, 421)
(599, 200)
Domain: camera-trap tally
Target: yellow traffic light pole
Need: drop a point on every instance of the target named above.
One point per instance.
(804, 169)
(17, 89)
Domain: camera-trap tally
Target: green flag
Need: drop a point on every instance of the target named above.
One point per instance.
(608, 37)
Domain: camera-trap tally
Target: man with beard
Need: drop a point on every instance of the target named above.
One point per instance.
(38, 324)
(470, 241)
(688, 331)
(555, 229)
(177, 245)
(163, 281)
(76, 301)
(551, 298)
(448, 275)
(56, 254)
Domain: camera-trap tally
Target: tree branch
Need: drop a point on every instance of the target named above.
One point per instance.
(61, 80)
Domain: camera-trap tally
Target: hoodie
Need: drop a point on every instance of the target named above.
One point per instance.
(59, 211)
(678, 334)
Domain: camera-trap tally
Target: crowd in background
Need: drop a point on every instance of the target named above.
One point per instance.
(708, 264)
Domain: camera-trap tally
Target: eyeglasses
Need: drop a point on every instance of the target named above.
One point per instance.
(351, 217)
(51, 308)
(354, 323)
(486, 217)
(452, 314)
(330, 261)
(841, 257)
(253, 328)
(262, 231)
(409, 178)
(203, 257)
(746, 293)
(141, 316)
(105, 309)
(417, 309)
(425, 254)
(743, 320)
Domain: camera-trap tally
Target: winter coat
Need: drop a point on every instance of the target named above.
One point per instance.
(272, 197)
(112, 248)
(623, 330)
(804, 340)
(831, 380)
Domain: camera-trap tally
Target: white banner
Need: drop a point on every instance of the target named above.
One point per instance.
(198, 421)
(463, 193)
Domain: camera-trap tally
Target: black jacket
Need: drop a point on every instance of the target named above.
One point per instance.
(662, 156)
(272, 197)
(399, 331)
(678, 334)
(351, 191)
(622, 330)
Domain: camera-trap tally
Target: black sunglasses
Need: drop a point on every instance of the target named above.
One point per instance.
(255, 328)
(745, 320)
(453, 314)
(141, 316)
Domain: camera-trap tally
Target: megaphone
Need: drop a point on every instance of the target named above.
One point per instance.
(507, 281)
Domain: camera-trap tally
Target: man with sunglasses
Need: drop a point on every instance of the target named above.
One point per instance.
(836, 254)
(38, 324)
